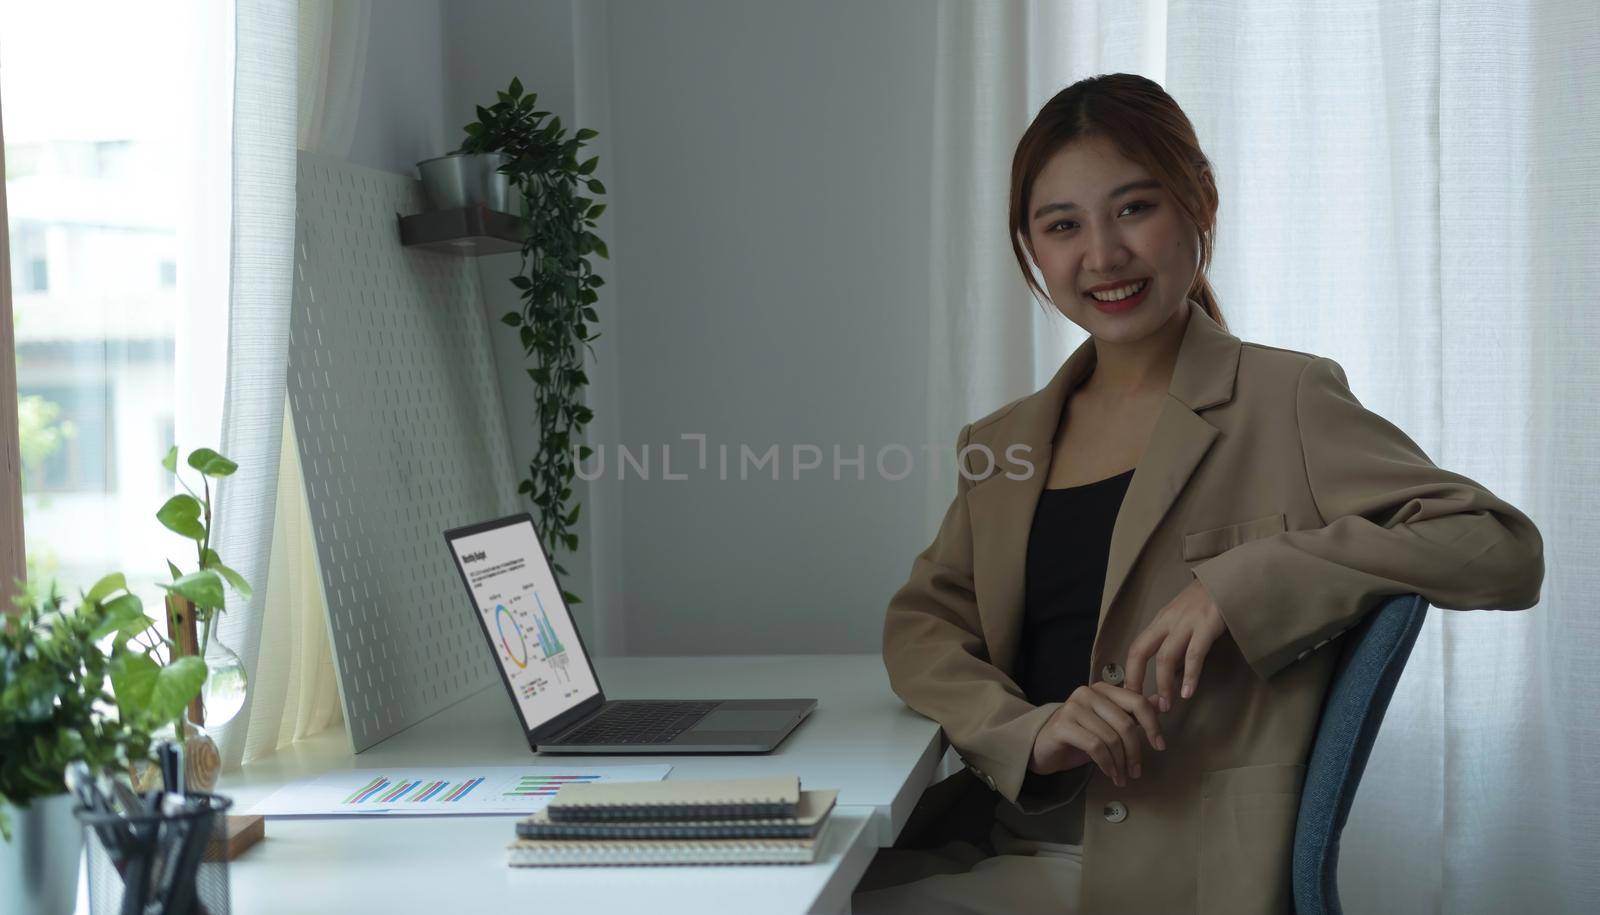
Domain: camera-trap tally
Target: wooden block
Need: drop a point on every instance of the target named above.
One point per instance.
(242, 832)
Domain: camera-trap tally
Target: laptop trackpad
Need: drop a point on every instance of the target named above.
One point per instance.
(733, 720)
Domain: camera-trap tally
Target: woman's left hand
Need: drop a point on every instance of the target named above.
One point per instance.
(1181, 634)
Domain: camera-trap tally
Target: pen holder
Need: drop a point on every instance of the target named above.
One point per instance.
(172, 863)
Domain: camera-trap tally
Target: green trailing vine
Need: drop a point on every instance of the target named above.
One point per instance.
(557, 285)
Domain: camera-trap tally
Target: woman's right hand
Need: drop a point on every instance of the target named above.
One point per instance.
(1098, 723)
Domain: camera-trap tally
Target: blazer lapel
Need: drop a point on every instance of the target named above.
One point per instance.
(1002, 507)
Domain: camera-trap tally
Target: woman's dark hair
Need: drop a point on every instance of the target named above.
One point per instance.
(1146, 126)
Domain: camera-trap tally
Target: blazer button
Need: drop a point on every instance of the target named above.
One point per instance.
(1112, 673)
(1116, 812)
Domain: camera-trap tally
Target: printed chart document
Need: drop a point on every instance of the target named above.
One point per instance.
(456, 791)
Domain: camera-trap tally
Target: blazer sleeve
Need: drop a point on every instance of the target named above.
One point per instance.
(1399, 525)
(938, 664)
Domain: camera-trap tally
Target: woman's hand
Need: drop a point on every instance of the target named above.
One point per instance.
(1183, 631)
(1099, 723)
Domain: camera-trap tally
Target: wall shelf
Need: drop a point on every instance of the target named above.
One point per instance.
(468, 231)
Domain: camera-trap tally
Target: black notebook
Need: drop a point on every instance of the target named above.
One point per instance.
(814, 808)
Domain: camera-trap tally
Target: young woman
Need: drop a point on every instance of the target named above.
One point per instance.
(1121, 625)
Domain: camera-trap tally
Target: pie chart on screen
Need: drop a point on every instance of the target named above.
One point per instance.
(511, 638)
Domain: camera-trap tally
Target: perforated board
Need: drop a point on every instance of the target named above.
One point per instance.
(401, 436)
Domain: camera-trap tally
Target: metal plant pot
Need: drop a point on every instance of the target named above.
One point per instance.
(466, 179)
(39, 866)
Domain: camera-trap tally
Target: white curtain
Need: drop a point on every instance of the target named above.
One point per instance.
(1410, 189)
(261, 267)
(295, 691)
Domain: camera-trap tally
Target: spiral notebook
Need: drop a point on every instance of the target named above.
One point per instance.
(741, 798)
(569, 853)
(814, 809)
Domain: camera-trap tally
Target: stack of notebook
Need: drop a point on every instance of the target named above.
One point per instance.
(741, 821)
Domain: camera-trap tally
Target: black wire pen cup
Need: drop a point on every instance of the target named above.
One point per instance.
(167, 863)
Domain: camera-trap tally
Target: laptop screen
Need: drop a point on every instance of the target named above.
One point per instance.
(529, 629)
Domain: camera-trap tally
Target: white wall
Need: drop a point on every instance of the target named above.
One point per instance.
(770, 187)
(402, 118)
(767, 169)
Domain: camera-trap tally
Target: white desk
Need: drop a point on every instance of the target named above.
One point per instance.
(860, 739)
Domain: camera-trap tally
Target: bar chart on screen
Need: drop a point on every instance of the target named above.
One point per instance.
(442, 791)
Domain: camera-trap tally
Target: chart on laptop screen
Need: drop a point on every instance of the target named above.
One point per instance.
(529, 630)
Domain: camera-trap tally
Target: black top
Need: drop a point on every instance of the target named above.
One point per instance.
(1069, 546)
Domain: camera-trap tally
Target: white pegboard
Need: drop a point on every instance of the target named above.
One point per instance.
(401, 434)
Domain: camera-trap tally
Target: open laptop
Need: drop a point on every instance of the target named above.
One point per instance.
(552, 683)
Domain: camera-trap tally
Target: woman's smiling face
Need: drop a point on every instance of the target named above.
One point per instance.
(1096, 217)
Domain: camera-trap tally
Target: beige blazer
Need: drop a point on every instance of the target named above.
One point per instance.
(1298, 509)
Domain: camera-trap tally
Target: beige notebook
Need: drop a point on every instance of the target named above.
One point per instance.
(728, 799)
(576, 853)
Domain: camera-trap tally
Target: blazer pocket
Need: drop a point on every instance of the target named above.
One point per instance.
(1208, 543)
(1247, 824)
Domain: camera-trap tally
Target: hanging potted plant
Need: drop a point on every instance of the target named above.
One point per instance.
(557, 285)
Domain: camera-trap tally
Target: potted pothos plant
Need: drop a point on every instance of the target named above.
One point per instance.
(557, 286)
(65, 696)
(99, 683)
(194, 599)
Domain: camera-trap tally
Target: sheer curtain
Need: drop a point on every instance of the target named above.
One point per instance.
(1409, 189)
(261, 267)
(295, 692)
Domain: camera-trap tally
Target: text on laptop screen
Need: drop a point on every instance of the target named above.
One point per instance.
(532, 636)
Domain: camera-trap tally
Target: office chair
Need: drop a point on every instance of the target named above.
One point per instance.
(1369, 666)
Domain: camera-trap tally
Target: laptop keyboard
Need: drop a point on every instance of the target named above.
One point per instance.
(640, 722)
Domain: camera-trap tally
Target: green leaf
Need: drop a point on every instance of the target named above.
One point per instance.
(171, 460)
(181, 515)
(211, 463)
(176, 573)
(595, 211)
(176, 685)
(213, 561)
(511, 319)
(521, 282)
(113, 582)
(588, 166)
(586, 134)
(594, 185)
(516, 87)
(202, 588)
(589, 315)
(133, 679)
(601, 247)
(571, 598)
(124, 616)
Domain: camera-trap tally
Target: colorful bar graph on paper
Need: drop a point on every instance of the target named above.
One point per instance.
(462, 790)
(428, 791)
(367, 790)
(397, 792)
(545, 785)
(442, 791)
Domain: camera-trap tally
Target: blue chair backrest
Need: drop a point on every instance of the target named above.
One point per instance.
(1369, 666)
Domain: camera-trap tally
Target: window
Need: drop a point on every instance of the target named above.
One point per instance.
(100, 127)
